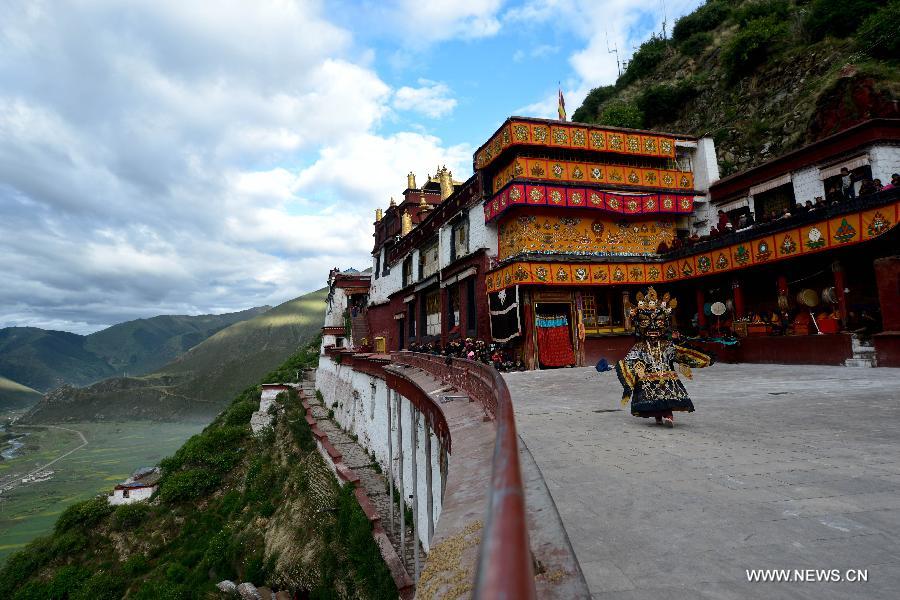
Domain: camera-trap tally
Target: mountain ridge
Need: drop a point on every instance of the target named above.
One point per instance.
(193, 385)
(44, 359)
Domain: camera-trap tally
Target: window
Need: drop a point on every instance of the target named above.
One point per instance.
(407, 271)
(377, 263)
(411, 318)
(428, 260)
(603, 312)
(772, 203)
(459, 238)
(452, 307)
(433, 313)
(471, 317)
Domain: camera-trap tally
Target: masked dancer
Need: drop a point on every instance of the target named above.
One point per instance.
(647, 372)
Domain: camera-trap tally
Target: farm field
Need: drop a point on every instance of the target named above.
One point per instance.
(113, 452)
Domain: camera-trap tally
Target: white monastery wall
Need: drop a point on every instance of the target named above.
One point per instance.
(706, 167)
(807, 184)
(134, 495)
(385, 285)
(334, 311)
(360, 403)
(481, 235)
(884, 160)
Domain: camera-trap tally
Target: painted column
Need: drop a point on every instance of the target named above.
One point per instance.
(839, 287)
(738, 298)
(781, 285)
(701, 316)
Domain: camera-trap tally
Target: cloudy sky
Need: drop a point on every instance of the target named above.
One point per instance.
(181, 156)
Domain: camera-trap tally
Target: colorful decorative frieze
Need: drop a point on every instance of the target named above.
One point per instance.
(580, 234)
(520, 233)
(529, 133)
(586, 198)
(592, 173)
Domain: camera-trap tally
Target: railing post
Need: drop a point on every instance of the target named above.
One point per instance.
(414, 442)
(400, 487)
(429, 495)
(390, 431)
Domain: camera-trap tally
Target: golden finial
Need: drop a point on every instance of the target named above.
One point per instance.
(405, 223)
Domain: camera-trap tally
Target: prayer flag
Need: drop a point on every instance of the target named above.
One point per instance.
(562, 106)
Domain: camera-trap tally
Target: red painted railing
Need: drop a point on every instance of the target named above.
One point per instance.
(504, 559)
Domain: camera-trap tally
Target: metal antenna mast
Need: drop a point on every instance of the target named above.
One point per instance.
(665, 17)
(614, 50)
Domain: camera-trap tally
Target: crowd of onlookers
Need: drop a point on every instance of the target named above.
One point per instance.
(837, 193)
(498, 355)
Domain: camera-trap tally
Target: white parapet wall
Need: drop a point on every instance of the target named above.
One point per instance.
(135, 494)
(361, 405)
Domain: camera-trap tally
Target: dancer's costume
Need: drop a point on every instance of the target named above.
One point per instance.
(647, 372)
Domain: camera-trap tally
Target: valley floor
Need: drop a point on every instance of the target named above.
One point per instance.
(113, 451)
(780, 467)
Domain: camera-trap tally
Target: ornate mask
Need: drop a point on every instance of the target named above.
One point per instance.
(652, 316)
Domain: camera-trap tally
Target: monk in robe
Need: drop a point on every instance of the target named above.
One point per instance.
(647, 373)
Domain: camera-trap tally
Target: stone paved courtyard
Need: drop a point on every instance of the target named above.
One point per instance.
(788, 467)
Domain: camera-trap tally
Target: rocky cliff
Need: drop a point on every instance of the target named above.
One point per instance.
(761, 77)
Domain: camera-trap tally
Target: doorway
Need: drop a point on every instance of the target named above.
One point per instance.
(554, 325)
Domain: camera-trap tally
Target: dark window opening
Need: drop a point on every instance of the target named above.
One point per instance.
(471, 314)
(453, 309)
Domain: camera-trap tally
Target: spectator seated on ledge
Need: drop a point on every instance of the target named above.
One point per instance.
(895, 182)
(723, 220)
(878, 185)
(662, 248)
(834, 196)
(867, 187)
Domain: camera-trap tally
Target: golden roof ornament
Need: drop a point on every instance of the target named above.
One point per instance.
(392, 202)
(411, 180)
(405, 223)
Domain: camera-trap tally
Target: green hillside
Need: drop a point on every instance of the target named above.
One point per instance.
(44, 359)
(762, 77)
(197, 384)
(144, 345)
(230, 506)
(14, 396)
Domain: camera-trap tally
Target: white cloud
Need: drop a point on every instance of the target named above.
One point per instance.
(163, 156)
(437, 20)
(602, 25)
(431, 99)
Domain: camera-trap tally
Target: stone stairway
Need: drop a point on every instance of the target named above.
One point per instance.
(375, 483)
(863, 353)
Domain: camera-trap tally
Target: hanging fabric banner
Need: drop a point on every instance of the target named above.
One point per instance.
(554, 341)
(505, 323)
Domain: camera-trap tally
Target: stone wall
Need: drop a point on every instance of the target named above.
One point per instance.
(360, 404)
(884, 160)
(807, 184)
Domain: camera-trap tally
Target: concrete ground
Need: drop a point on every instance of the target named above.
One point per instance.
(783, 467)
